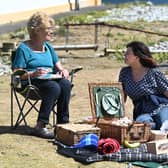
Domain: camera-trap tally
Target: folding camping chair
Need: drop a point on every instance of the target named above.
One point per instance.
(30, 96)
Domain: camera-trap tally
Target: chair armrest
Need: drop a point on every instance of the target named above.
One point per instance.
(16, 78)
(75, 70)
(19, 72)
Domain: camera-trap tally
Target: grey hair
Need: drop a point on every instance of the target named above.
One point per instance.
(39, 20)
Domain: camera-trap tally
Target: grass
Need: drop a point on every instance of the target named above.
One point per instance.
(116, 38)
(19, 150)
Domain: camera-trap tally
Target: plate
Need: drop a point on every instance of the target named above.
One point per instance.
(110, 104)
(50, 76)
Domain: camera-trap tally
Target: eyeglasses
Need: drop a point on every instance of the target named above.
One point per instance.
(49, 28)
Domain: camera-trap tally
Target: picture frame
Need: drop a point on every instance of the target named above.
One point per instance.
(106, 100)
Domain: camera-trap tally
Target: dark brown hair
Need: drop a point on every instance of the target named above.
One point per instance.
(142, 51)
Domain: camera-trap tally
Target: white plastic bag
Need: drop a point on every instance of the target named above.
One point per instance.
(164, 127)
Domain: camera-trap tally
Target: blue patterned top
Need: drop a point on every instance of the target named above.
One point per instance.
(153, 83)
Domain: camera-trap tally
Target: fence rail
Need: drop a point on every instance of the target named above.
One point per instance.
(96, 34)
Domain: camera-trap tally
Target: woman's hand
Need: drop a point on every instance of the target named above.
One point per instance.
(64, 73)
(166, 93)
(40, 71)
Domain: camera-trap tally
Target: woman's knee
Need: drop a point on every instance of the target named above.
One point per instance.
(163, 114)
(146, 118)
(51, 88)
(65, 84)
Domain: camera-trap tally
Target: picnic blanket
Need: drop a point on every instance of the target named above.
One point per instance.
(87, 155)
(150, 164)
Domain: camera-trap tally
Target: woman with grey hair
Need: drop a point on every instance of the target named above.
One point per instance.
(38, 57)
(145, 85)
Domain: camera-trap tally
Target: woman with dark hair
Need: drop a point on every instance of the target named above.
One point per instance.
(145, 85)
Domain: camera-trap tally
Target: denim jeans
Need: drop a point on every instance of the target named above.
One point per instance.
(52, 91)
(146, 118)
(161, 116)
(156, 120)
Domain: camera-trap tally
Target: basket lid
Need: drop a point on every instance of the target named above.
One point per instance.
(110, 104)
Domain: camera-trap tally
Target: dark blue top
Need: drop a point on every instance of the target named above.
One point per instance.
(153, 83)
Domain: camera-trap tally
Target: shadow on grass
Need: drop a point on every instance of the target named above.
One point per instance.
(22, 130)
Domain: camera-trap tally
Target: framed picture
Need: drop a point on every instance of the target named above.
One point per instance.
(106, 100)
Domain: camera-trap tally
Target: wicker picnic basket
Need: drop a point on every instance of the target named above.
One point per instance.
(70, 134)
(135, 132)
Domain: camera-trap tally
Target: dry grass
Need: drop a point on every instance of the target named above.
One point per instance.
(19, 150)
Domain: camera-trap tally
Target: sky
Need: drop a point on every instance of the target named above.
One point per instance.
(12, 6)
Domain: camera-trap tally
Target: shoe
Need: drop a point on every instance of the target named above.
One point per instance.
(43, 133)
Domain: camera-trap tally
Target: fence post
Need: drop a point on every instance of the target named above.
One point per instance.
(96, 34)
(67, 36)
(70, 5)
(76, 4)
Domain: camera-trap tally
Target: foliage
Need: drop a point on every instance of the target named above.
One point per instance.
(116, 37)
(160, 57)
(81, 18)
(20, 33)
(61, 30)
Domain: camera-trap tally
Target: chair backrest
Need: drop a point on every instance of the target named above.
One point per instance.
(13, 53)
(30, 91)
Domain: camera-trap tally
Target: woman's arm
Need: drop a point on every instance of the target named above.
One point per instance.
(166, 93)
(162, 82)
(62, 71)
(25, 73)
(30, 74)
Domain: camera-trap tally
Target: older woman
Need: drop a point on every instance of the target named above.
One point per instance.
(145, 85)
(38, 57)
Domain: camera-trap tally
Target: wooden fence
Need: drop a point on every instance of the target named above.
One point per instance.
(95, 42)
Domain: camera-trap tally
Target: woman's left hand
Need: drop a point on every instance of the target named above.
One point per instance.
(166, 93)
(65, 73)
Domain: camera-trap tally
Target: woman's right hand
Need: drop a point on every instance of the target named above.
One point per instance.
(40, 71)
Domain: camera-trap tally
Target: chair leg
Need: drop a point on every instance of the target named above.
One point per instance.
(20, 111)
(22, 115)
(12, 107)
(54, 118)
(54, 115)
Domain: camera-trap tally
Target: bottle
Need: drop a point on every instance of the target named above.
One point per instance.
(17, 81)
(129, 165)
(164, 127)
